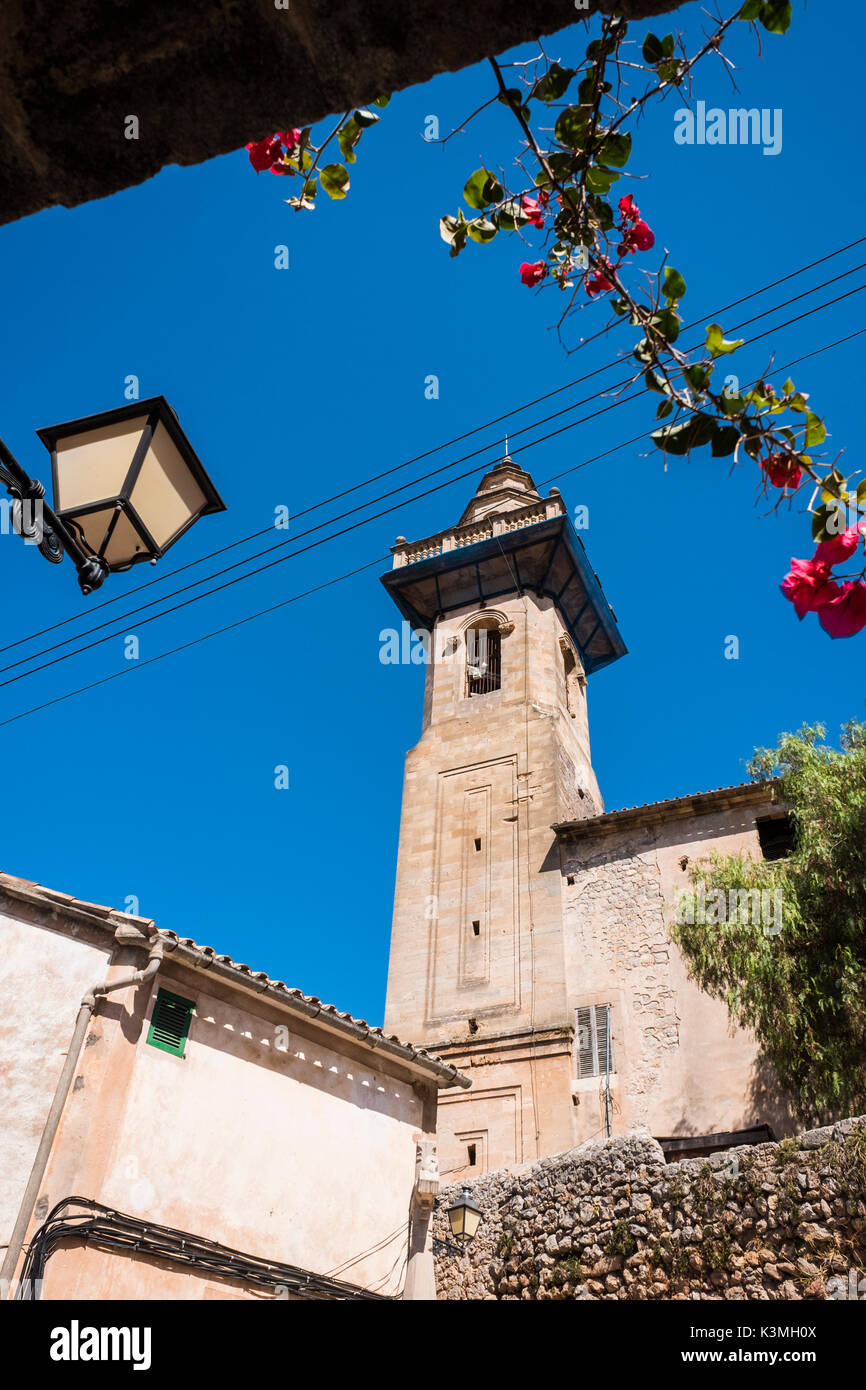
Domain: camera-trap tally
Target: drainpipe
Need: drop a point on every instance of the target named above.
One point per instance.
(125, 935)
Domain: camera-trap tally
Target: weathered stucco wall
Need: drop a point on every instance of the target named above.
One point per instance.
(610, 1220)
(43, 974)
(680, 1067)
(284, 1147)
(206, 76)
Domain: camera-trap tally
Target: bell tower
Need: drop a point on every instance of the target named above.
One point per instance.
(517, 622)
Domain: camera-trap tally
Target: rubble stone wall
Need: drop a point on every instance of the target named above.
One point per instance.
(612, 1220)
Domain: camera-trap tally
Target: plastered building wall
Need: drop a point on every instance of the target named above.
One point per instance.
(43, 974)
(271, 1136)
(681, 1068)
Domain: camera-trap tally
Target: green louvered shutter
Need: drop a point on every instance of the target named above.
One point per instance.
(169, 1024)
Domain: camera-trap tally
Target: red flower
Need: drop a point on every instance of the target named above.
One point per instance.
(845, 615)
(264, 153)
(597, 283)
(532, 208)
(628, 208)
(532, 274)
(289, 138)
(841, 548)
(809, 586)
(782, 470)
(637, 238)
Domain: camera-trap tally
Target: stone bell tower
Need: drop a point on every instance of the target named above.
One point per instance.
(517, 622)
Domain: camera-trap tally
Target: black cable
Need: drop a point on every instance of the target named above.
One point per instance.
(439, 447)
(291, 540)
(78, 651)
(218, 632)
(110, 1229)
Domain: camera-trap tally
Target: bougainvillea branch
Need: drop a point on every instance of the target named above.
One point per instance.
(588, 250)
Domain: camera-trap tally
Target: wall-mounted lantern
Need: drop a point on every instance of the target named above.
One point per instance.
(465, 1218)
(127, 485)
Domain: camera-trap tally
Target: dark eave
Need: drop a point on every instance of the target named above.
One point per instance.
(545, 558)
(679, 808)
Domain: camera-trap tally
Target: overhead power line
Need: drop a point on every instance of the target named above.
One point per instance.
(255, 535)
(281, 559)
(296, 598)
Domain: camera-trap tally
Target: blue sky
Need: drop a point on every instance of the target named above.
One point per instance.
(294, 385)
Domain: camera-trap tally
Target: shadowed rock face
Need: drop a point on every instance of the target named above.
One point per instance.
(205, 76)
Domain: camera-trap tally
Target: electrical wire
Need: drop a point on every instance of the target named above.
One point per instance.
(363, 522)
(448, 444)
(295, 598)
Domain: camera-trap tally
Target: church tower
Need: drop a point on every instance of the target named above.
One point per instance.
(517, 622)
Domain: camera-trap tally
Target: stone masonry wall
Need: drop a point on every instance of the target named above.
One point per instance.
(612, 1220)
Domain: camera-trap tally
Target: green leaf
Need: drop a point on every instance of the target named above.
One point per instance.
(697, 376)
(381, 101)
(656, 383)
(717, 344)
(665, 408)
(674, 286)
(334, 178)
(788, 387)
(667, 324)
(554, 83)
(512, 216)
(481, 189)
(724, 441)
(600, 180)
(776, 16)
(732, 405)
(366, 118)
(347, 139)
(481, 229)
(751, 9)
(816, 432)
(670, 70)
(570, 129)
(642, 351)
(514, 98)
(685, 435)
(616, 150)
(861, 491)
(653, 52)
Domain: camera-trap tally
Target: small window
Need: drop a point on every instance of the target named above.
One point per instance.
(483, 660)
(776, 836)
(169, 1024)
(476, 928)
(471, 1155)
(594, 1041)
(477, 843)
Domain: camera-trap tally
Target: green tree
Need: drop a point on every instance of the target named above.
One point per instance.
(801, 984)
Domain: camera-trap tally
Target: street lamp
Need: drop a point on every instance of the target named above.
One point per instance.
(465, 1218)
(127, 485)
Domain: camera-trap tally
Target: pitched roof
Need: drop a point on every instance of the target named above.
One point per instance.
(190, 953)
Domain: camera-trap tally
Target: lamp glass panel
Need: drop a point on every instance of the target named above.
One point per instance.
(93, 466)
(94, 526)
(471, 1222)
(456, 1216)
(166, 496)
(125, 543)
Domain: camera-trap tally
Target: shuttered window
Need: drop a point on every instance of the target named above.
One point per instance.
(169, 1024)
(594, 1041)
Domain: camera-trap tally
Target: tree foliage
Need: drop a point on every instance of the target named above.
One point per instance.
(802, 989)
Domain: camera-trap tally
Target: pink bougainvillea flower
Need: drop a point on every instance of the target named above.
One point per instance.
(597, 283)
(782, 470)
(532, 274)
(841, 547)
(637, 238)
(809, 586)
(289, 138)
(845, 615)
(531, 207)
(264, 153)
(629, 209)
